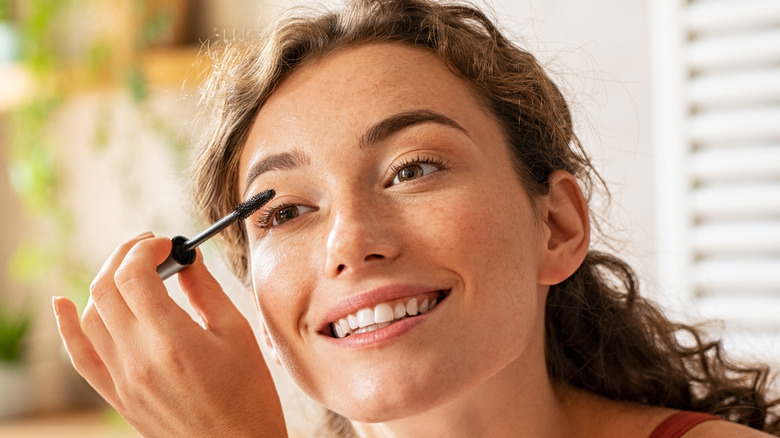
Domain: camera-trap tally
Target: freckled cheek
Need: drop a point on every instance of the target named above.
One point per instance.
(279, 276)
(464, 227)
(488, 236)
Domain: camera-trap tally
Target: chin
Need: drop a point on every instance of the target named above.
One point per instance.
(383, 401)
(381, 411)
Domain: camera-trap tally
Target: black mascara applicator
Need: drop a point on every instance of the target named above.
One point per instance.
(183, 250)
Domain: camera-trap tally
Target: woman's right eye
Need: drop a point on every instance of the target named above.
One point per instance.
(282, 214)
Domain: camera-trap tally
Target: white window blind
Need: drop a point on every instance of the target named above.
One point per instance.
(717, 80)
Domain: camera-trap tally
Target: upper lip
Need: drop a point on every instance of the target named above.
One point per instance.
(371, 298)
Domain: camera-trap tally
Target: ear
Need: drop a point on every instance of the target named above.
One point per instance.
(566, 226)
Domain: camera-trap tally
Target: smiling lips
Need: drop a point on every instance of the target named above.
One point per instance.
(382, 315)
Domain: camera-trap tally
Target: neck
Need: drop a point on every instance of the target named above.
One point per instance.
(519, 401)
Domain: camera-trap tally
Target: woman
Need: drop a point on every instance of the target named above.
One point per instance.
(424, 269)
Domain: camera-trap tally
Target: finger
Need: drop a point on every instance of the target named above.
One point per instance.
(83, 355)
(142, 288)
(100, 338)
(113, 310)
(206, 295)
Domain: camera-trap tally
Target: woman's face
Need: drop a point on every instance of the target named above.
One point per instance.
(394, 188)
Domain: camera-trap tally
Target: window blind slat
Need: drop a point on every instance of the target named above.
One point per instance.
(751, 311)
(728, 15)
(736, 163)
(737, 238)
(745, 87)
(735, 276)
(754, 124)
(722, 201)
(740, 50)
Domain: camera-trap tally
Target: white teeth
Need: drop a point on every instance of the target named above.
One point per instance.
(345, 328)
(399, 311)
(372, 328)
(382, 315)
(411, 307)
(383, 312)
(339, 331)
(365, 317)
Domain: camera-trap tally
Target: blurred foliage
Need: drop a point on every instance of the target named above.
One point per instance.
(64, 57)
(13, 333)
(5, 9)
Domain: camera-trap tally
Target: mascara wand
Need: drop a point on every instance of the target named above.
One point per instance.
(183, 250)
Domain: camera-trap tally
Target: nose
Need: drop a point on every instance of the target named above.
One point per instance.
(360, 237)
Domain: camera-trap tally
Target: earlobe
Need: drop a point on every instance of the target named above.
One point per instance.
(567, 229)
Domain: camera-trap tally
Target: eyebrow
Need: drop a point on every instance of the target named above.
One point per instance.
(284, 161)
(375, 134)
(397, 122)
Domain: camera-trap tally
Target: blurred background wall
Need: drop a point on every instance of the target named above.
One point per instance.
(97, 102)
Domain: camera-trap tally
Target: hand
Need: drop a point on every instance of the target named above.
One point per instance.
(163, 372)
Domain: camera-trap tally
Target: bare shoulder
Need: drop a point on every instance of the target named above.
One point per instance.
(724, 429)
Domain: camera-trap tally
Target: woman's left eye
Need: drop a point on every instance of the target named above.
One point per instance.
(411, 171)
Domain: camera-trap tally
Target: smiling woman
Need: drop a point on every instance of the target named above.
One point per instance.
(425, 267)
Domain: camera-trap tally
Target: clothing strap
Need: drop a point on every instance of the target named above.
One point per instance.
(680, 422)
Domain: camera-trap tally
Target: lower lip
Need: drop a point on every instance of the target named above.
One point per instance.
(383, 335)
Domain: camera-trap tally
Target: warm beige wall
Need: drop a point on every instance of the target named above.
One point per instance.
(599, 51)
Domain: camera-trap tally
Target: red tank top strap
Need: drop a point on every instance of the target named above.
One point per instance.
(675, 425)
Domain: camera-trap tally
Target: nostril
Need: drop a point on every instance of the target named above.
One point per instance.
(342, 267)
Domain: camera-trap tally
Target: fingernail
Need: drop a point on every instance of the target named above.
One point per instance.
(145, 235)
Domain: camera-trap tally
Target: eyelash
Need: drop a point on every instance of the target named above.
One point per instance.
(266, 218)
(437, 162)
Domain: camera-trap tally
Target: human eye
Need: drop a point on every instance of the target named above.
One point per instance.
(417, 167)
(280, 214)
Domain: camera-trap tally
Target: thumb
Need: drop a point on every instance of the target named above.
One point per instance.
(206, 295)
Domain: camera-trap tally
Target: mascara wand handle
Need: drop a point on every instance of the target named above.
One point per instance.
(179, 258)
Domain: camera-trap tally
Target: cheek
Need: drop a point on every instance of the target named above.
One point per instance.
(279, 278)
(280, 282)
(494, 246)
(492, 232)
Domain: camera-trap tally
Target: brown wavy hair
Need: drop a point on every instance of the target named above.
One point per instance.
(601, 335)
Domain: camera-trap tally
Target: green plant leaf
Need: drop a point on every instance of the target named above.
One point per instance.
(14, 328)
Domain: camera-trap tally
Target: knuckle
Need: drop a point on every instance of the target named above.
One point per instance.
(171, 359)
(141, 374)
(125, 275)
(99, 286)
(137, 262)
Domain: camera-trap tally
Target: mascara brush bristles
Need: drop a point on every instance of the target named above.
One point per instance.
(241, 212)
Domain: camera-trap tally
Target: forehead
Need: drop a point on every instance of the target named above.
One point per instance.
(388, 70)
(339, 96)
